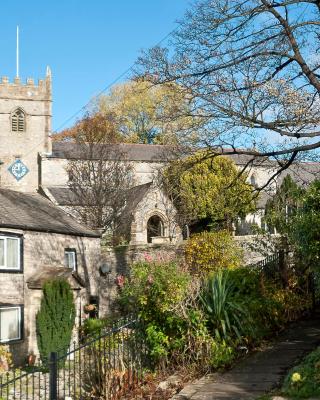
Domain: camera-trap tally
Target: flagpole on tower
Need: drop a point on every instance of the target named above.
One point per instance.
(17, 74)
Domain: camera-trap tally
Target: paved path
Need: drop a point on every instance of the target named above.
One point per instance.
(259, 372)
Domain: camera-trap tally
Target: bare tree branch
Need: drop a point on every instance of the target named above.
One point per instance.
(250, 70)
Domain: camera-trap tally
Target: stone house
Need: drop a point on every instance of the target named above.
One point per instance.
(38, 241)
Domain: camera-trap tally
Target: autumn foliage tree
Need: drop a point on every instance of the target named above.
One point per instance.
(92, 128)
(135, 112)
(147, 114)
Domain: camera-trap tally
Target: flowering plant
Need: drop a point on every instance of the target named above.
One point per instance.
(5, 358)
(89, 307)
(120, 281)
(296, 377)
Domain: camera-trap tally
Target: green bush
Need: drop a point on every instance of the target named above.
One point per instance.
(55, 318)
(93, 326)
(153, 288)
(190, 320)
(210, 251)
(222, 355)
(152, 291)
(240, 304)
(269, 305)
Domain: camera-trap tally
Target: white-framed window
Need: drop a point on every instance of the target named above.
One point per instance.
(10, 257)
(70, 259)
(10, 323)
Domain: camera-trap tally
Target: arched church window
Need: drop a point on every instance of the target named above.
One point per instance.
(155, 227)
(18, 121)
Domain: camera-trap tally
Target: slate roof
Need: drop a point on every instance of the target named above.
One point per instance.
(64, 196)
(131, 152)
(302, 173)
(31, 211)
(134, 196)
(39, 278)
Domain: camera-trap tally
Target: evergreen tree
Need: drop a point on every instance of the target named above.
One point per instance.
(208, 192)
(55, 319)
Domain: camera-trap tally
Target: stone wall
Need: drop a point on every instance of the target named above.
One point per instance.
(251, 253)
(54, 171)
(120, 259)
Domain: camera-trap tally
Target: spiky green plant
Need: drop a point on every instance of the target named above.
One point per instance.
(227, 317)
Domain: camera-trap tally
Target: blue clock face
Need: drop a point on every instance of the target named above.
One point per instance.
(18, 169)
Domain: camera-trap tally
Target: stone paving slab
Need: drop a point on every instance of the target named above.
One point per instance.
(260, 372)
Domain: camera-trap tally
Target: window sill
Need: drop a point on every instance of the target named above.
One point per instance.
(10, 342)
(11, 271)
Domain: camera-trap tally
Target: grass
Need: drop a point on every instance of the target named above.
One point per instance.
(303, 381)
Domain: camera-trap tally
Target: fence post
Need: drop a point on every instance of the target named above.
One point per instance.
(313, 291)
(53, 376)
(283, 268)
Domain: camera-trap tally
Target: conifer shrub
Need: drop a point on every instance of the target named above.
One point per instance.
(55, 318)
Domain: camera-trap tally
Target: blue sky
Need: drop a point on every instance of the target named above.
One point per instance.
(87, 44)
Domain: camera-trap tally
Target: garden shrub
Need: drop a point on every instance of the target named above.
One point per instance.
(166, 298)
(93, 326)
(153, 288)
(152, 291)
(202, 319)
(222, 355)
(242, 306)
(55, 318)
(269, 305)
(210, 251)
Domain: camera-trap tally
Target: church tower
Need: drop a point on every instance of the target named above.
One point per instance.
(25, 128)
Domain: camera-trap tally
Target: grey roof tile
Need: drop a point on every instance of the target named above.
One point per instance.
(31, 211)
(64, 196)
(131, 152)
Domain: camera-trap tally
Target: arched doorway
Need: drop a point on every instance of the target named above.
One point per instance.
(155, 227)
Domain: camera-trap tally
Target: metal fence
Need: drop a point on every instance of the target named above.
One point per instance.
(108, 366)
(275, 267)
(271, 265)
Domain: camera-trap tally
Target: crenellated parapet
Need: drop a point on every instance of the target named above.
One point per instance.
(17, 88)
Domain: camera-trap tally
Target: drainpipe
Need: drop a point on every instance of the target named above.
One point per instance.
(1, 163)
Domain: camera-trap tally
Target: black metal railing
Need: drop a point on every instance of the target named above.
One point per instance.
(107, 366)
(270, 266)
